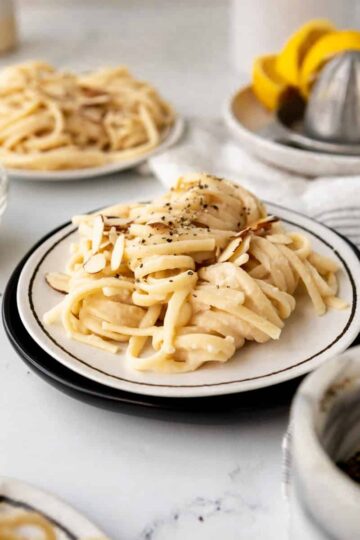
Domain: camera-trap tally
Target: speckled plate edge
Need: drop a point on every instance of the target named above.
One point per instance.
(95, 394)
(339, 343)
(98, 395)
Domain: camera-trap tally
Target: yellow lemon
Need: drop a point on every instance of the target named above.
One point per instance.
(289, 60)
(323, 50)
(267, 84)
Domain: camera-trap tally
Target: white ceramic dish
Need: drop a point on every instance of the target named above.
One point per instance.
(68, 523)
(246, 117)
(305, 343)
(169, 138)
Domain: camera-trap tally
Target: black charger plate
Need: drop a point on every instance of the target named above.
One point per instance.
(103, 396)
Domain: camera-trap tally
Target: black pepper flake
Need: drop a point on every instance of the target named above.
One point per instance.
(143, 240)
(190, 272)
(141, 265)
(171, 280)
(169, 240)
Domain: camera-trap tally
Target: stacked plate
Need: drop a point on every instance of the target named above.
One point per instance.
(20, 498)
(246, 380)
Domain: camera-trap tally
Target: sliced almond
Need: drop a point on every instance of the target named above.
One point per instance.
(95, 264)
(119, 223)
(258, 227)
(57, 281)
(236, 248)
(230, 249)
(160, 225)
(117, 253)
(97, 233)
(113, 235)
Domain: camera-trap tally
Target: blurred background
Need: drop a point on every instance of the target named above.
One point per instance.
(180, 46)
(196, 51)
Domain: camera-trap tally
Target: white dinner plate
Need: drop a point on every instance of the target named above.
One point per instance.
(170, 137)
(306, 341)
(247, 118)
(16, 496)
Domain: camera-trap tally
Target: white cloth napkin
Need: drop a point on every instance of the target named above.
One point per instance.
(207, 146)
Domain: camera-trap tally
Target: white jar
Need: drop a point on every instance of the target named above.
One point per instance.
(8, 35)
(325, 429)
(262, 26)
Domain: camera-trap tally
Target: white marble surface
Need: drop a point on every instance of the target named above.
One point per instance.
(150, 476)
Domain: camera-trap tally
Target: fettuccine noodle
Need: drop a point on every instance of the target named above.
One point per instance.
(53, 120)
(195, 274)
(23, 525)
(12, 526)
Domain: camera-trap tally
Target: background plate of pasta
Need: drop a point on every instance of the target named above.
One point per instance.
(203, 291)
(27, 513)
(57, 125)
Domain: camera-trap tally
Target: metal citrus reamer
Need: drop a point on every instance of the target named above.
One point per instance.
(330, 121)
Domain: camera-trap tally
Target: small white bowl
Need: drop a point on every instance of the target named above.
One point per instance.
(247, 120)
(325, 429)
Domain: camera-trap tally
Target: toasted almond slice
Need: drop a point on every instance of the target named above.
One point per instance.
(57, 281)
(258, 227)
(160, 225)
(117, 253)
(97, 233)
(113, 235)
(236, 248)
(120, 223)
(230, 249)
(95, 264)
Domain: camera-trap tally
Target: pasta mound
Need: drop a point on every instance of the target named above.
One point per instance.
(53, 120)
(191, 276)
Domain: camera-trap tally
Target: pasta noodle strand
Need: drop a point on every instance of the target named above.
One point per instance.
(199, 272)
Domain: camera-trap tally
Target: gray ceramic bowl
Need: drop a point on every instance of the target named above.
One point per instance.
(325, 429)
